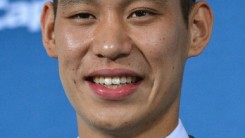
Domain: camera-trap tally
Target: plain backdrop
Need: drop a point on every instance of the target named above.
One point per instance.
(33, 103)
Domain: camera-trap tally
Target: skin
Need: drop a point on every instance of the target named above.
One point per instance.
(156, 45)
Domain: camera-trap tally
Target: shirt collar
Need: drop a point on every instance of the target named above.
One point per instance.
(179, 132)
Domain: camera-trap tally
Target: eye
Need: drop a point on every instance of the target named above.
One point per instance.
(83, 16)
(140, 13)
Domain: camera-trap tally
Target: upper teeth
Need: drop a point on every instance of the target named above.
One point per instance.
(114, 80)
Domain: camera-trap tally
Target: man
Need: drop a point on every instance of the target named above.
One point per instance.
(121, 62)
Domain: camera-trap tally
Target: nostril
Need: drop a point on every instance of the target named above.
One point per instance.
(112, 57)
(100, 55)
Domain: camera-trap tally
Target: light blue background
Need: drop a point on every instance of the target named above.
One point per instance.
(33, 104)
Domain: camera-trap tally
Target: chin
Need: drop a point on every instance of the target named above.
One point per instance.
(115, 122)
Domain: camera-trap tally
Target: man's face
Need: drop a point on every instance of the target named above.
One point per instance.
(121, 61)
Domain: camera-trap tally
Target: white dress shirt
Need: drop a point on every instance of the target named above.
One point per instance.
(179, 132)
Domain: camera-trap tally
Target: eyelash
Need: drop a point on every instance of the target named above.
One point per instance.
(83, 16)
(141, 13)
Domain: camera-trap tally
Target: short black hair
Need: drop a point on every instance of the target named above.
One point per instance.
(186, 6)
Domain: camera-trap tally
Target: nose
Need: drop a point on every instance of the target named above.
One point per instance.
(111, 39)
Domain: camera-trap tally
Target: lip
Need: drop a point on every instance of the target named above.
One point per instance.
(119, 93)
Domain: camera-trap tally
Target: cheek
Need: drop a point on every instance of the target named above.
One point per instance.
(72, 46)
(164, 50)
(71, 43)
(159, 45)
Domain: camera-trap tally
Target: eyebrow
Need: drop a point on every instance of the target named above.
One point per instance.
(66, 2)
(72, 2)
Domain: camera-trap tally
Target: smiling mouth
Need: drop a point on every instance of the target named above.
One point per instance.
(115, 81)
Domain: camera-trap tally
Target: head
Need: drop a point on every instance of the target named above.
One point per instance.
(121, 62)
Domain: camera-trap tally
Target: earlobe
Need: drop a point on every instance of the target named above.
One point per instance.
(200, 25)
(47, 26)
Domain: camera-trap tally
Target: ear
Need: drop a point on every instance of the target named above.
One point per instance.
(200, 25)
(47, 26)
